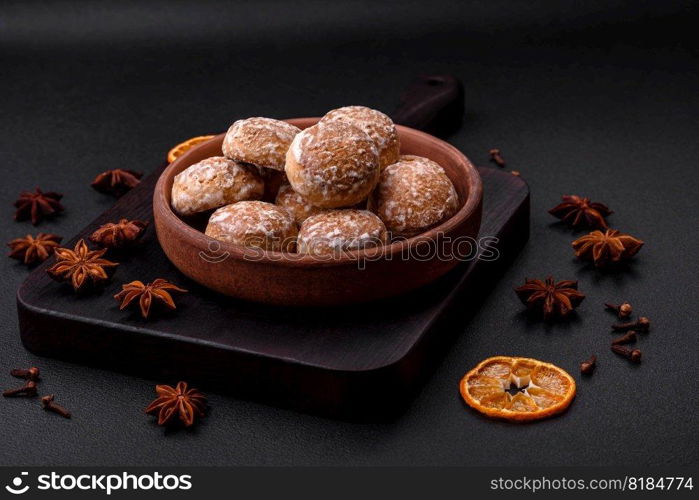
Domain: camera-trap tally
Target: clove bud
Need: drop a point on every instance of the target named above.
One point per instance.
(29, 374)
(496, 157)
(587, 367)
(48, 405)
(28, 389)
(640, 325)
(629, 337)
(623, 310)
(634, 355)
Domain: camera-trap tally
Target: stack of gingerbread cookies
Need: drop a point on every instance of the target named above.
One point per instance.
(344, 185)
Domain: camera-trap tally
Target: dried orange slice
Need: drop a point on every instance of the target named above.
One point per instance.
(185, 146)
(540, 389)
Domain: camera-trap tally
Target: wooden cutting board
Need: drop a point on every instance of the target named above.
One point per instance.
(359, 362)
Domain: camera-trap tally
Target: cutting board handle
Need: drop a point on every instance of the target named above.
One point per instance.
(433, 103)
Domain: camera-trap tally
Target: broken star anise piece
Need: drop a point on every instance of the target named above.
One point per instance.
(181, 402)
(37, 205)
(34, 249)
(158, 290)
(81, 266)
(121, 234)
(577, 211)
(604, 248)
(551, 298)
(116, 182)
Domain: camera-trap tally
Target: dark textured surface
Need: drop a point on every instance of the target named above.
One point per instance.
(600, 100)
(328, 361)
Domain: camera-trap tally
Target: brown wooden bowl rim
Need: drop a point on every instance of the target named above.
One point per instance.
(192, 235)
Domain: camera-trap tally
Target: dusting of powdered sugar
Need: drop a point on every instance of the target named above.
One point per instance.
(297, 146)
(376, 124)
(414, 195)
(254, 223)
(260, 141)
(333, 164)
(298, 206)
(335, 231)
(212, 183)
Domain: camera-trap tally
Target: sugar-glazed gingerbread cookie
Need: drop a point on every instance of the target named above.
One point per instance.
(260, 141)
(377, 125)
(254, 224)
(333, 164)
(413, 195)
(214, 182)
(336, 231)
(297, 205)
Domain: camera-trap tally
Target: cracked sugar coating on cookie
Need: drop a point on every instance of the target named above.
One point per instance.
(335, 231)
(377, 125)
(260, 141)
(295, 204)
(333, 164)
(413, 195)
(254, 224)
(214, 182)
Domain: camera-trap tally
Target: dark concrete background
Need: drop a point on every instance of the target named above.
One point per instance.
(597, 99)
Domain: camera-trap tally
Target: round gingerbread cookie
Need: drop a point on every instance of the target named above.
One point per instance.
(214, 182)
(377, 125)
(254, 224)
(295, 204)
(336, 231)
(413, 195)
(333, 164)
(260, 141)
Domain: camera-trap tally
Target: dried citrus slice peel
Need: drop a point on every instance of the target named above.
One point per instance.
(540, 389)
(185, 146)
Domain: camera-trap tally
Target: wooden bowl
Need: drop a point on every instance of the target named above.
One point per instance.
(303, 280)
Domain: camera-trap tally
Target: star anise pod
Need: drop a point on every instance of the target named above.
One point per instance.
(553, 299)
(81, 266)
(186, 404)
(116, 182)
(34, 249)
(606, 248)
(577, 211)
(119, 235)
(158, 290)
(37, 205)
